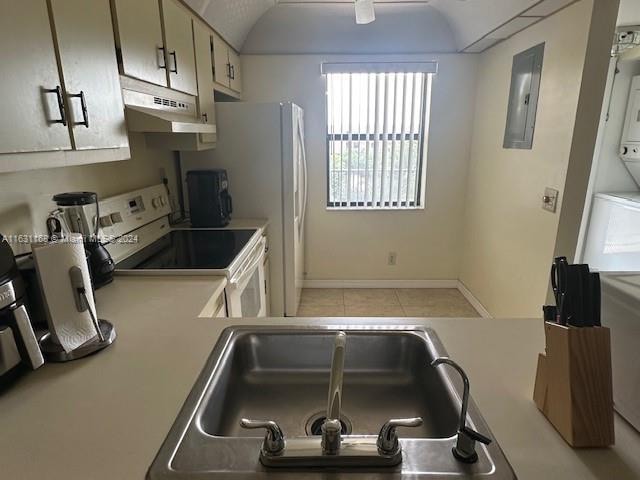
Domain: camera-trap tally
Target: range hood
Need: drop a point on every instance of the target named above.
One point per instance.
(148, 113)
(168, 119)
(148, 120)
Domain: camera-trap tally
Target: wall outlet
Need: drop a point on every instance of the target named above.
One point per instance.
(392, 258)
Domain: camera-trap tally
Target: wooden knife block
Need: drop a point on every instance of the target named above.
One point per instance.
(573, 386)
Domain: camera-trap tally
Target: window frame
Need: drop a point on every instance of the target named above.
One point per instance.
(420, 200)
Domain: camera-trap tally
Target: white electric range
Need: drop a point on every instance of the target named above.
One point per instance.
(135, 229)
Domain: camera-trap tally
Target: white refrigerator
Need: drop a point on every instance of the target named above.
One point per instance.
(261, 145)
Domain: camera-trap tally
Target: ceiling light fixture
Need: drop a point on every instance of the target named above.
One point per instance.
(364, 12)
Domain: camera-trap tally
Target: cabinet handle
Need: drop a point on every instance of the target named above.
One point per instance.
(83, 105)
(175, 62)
(228, 70)
(233, 72)
(63, 115)
(206, 117)
(164, 60)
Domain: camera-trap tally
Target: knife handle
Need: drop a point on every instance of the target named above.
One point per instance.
(596, 296)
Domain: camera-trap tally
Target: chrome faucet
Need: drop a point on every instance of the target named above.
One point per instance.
(328, 451)
(332, 428)
(465, 447)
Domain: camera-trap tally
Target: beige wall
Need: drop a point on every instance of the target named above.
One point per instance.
(355, 244)
(25, 197)
(509, 239)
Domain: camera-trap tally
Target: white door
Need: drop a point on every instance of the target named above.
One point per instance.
(204, 73)
(84, 34)
(221, 65)
(301, 188)
(179, 44)
(140, 36)
(33, 116)
(295, 204)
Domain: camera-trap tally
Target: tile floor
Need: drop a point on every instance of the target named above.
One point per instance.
(384, 302)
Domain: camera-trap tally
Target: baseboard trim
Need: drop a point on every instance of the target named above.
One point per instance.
(473, 300)
(381, 284)
(402, 284)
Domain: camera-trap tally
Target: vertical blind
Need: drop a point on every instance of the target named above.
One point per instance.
(376, 124)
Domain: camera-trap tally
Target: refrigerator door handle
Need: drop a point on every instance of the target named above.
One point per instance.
(304, 172)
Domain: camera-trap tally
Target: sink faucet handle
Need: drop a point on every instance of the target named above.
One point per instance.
(388, 437)
(273, 443)
(465, 448)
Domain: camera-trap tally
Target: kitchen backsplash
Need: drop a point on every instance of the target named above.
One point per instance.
(25, 197)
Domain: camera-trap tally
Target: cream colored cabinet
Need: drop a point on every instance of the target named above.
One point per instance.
(86, 47)
(221, 70)
(226, 63)
(72, 103)
(139, 36)
(204, 73)
(34, 118)
(234, 66)
(179, 47)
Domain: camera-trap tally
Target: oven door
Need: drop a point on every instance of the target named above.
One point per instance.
(245, 291)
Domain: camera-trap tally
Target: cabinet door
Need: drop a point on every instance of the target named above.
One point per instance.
(84, 35)
(204, 73)
(221, 61)
(236, 78)
(179, 44)
(140, 35)
(30, 121)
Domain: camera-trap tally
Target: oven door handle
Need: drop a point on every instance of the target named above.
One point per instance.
(252, 264)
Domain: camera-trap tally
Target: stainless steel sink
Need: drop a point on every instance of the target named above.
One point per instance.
(282, 374)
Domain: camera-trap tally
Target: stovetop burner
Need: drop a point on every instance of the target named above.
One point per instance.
(190, 250)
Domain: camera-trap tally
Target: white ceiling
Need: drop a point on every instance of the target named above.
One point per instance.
(233, 19)
(330, 28)
(469, 20)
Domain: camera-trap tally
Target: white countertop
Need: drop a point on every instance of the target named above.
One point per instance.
(104, 417)
(236, 223)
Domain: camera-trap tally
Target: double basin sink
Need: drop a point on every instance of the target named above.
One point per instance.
(282, 374)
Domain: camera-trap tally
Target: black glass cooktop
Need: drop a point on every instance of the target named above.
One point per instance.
(190, 249)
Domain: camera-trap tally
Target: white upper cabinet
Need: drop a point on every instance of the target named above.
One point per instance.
(33, 116)
(72, 102)
(234, 65)
(226, 63)
(139, 33)
(204, 70)
(179, 47)
(222, 72)
(84, 35)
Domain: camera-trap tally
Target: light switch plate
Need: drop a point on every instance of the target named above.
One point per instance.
(550, 199)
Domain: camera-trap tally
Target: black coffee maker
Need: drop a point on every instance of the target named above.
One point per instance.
(18, 343)
(209, 200)
(79, 212)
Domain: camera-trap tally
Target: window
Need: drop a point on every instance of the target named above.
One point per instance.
(377, 123)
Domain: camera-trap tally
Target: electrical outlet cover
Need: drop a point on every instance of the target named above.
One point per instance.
(550, 199)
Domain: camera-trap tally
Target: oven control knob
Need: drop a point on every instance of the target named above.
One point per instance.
(163, 201)
(116, 217)
(156, 202)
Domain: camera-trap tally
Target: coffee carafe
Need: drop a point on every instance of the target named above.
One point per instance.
(18, 343)
(79, 212)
